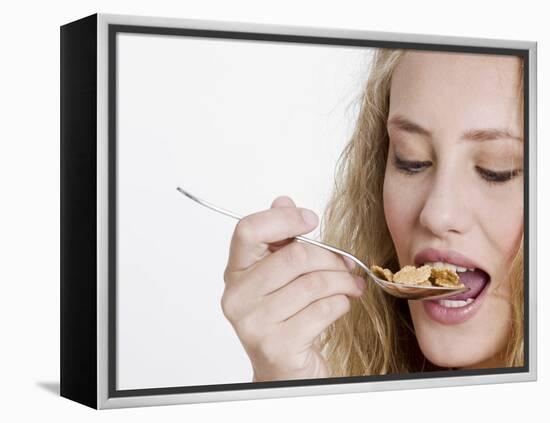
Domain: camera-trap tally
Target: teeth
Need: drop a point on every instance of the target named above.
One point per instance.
(440, 264)
(455, 303)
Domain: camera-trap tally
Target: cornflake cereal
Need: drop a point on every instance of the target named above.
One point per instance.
(385, 274)
(425, 275)
(445, 277)
(410, 275)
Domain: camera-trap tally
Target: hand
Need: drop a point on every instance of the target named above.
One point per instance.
(281, 294)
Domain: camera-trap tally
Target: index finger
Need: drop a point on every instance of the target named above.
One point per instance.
(253, 234)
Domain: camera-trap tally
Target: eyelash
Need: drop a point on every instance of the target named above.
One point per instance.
(497, 177)
(412, 168)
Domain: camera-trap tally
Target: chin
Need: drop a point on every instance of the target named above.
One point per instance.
(456, 358)
(475, 342)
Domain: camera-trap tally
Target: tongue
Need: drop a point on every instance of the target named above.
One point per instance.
(475, 280)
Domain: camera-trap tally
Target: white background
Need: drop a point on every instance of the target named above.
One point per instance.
(29, 171)
(236, 123)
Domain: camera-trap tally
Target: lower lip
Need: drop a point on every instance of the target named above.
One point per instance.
(456, 315)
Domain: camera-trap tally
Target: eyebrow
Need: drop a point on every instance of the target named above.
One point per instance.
(401, 122)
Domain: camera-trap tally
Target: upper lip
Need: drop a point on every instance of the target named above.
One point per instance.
(447, 256)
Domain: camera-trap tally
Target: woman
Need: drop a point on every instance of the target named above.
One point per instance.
(433, 173)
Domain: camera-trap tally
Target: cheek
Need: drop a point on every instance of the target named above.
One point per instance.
(502, 226)
(399, 211)
(506, 230)
(506, 240)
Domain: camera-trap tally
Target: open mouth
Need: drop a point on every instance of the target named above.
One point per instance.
(460, 307)
(474, 278)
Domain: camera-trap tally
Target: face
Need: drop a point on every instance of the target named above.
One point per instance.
(453, 193)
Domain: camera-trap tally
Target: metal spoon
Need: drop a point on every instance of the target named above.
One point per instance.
(410, 292)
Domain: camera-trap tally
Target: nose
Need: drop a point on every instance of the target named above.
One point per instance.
(445, 210)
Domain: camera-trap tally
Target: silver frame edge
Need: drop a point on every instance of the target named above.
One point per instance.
(103, 400)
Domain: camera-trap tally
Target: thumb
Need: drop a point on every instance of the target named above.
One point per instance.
(281, 201)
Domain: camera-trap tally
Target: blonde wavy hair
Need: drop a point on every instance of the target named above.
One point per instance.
(377, 335)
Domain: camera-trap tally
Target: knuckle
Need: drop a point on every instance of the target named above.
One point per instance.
(337, 261)
(313, 284)
(351, 282)
(296, 254)
(325, 306)
(227, 276)
(247, 329)
(334, 305)
(244, 230)
(342, 303)
(228, 304)
(340, 263)
(233, 303)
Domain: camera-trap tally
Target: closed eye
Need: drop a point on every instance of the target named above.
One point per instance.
(498, 177)
(410, 167)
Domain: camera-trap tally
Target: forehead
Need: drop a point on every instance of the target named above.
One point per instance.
(473, 88)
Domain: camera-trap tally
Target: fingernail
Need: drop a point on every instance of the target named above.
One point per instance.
(360, 283)
(309, 217)
(349, 263)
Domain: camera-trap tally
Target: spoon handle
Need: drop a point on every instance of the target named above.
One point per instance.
(299, 238)
(209, 205)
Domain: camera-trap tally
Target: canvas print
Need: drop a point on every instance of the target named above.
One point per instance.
(289, 212)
